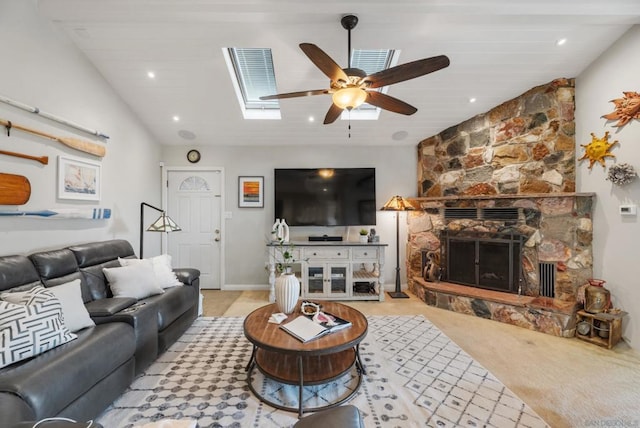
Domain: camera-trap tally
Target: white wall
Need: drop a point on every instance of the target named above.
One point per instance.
(247, 230)
(616, 238)
(41, 68)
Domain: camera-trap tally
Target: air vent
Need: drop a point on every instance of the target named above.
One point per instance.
(547, 275)
(457, 213)
(499, 214)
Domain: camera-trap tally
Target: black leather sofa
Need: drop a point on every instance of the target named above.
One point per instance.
(80, 378)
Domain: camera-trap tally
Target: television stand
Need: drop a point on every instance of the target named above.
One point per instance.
(325, 238)
(333, 270)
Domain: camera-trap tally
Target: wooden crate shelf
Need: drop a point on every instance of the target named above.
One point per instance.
(605, 329)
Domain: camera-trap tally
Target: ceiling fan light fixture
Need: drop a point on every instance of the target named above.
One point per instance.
(349, 98)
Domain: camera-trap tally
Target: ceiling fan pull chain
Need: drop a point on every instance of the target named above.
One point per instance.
(349, 123)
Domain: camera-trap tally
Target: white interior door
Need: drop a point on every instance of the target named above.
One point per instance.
(194, 201)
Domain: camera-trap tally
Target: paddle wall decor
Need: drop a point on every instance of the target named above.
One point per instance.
(75, 143)
(62, 213)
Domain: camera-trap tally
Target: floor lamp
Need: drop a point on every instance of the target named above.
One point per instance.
(164, 223)
(398, 203)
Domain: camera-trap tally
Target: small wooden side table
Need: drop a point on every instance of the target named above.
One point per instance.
(604, 329)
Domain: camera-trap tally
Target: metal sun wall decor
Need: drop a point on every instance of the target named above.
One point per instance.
(598, 149)
(626, 109)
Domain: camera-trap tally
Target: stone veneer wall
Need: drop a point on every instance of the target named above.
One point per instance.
(526, 145)
(520, 154)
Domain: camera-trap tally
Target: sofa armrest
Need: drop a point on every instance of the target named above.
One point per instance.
(188, 276)
(108, 307)
(13, 409)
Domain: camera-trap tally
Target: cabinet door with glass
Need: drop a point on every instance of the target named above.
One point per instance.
(327, 280)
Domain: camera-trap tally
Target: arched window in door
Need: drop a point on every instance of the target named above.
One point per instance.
(194, 184)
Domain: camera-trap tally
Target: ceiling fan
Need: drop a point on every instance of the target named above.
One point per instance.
(351, 87)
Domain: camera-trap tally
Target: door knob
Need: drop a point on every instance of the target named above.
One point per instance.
(217, 239)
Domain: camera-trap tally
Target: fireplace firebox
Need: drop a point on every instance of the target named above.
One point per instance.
(490, 261)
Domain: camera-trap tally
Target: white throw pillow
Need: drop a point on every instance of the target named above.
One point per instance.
(30, 328)
(137, 281)
(165, 276)
(75, 314)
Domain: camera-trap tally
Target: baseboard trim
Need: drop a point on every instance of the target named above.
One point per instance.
(245, 287)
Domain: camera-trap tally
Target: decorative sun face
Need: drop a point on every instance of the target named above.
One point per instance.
(598, 149)
(626, 108)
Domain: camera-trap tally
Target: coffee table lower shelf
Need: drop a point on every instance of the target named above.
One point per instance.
(311, 370)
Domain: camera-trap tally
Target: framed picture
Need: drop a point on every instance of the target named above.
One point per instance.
(78, 179)
(251, 192)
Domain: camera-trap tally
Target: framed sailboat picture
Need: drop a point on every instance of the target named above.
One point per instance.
(78, 179)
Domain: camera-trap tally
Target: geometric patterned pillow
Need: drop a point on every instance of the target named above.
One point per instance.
(31, 327)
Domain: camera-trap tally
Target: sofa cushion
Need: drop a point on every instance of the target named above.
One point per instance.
(95, 280)
(31, 326)
(57, 267)
(17, 271)
(76, 366)
(136, 281)
(173, 304)
(165, 277)
(95, 253)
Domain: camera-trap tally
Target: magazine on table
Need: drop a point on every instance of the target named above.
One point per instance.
(307, 327)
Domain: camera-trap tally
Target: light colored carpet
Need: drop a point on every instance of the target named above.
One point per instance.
(415, 377)
(568, 382)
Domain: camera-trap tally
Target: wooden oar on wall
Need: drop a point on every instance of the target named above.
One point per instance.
(14, 189)
(74, 143)
(44, 160)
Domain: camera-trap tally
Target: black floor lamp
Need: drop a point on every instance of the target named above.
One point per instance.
(164, 223)
(398, 203)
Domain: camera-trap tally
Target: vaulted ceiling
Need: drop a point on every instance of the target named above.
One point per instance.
(498, 50)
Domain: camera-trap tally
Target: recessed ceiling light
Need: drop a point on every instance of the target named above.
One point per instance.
(311, 119)
(561, 42)
(472, 100)
(151, 75)
(176, 118)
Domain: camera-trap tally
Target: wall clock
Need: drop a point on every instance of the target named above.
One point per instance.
(193, 156)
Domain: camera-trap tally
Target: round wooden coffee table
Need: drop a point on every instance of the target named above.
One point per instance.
(283, 358)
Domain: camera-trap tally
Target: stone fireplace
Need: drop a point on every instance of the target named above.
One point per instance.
(496, 201)
(499, 268)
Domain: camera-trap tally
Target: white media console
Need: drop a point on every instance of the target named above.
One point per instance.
(334, 270)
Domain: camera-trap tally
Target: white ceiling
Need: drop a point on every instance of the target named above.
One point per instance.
(498, 50)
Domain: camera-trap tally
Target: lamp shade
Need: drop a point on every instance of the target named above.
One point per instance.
(164, 223)
(397, 203)
(349, 98)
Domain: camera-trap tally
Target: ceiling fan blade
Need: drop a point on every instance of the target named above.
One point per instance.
(407, 71)
(390, 103)
(324, 62)
(295, 94)
(333, 113)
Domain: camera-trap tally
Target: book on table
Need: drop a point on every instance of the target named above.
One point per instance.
(306, 328)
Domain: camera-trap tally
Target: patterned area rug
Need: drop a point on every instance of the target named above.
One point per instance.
(416, 377)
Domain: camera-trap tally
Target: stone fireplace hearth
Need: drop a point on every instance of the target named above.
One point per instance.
(544, 230)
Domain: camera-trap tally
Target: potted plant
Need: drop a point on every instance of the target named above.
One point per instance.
(364, 236)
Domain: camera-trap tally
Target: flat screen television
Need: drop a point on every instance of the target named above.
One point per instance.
(326, 196)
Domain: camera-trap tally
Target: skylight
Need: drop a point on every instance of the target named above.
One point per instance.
(252, 74)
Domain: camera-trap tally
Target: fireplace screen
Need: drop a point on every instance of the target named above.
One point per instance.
(490, 263)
